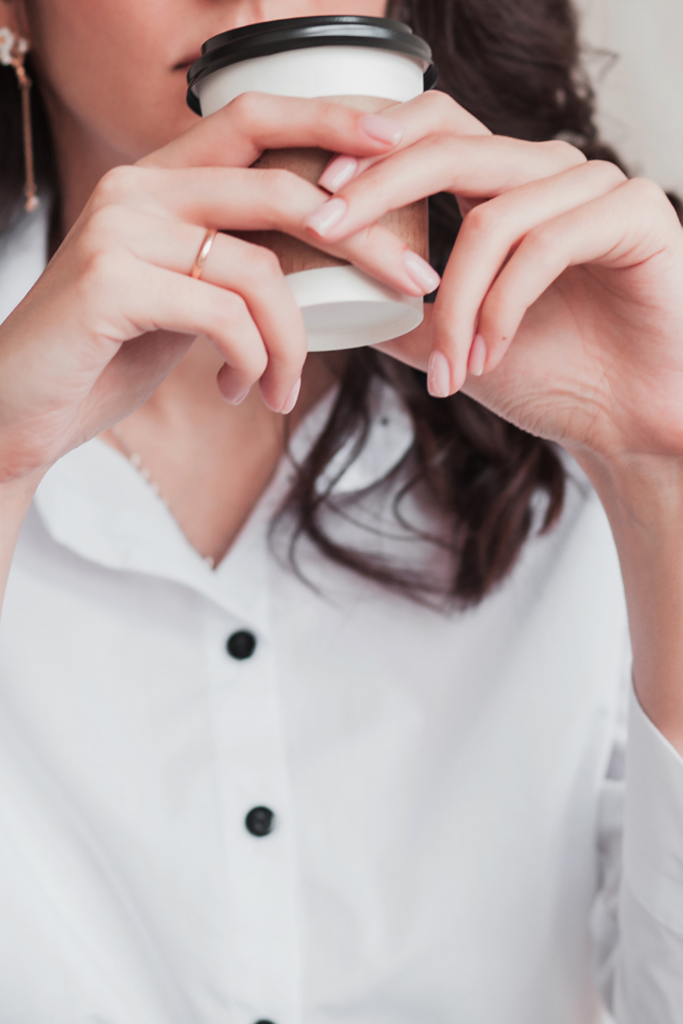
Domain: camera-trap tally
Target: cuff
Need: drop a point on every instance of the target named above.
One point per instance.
(653, 827)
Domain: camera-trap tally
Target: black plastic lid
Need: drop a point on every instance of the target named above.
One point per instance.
(268, 37)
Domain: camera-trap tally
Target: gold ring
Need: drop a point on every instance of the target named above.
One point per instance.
(203, 254)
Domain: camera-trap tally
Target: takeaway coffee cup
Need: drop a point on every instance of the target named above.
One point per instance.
(368, 63)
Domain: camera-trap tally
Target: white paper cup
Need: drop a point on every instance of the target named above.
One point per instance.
(369, 63)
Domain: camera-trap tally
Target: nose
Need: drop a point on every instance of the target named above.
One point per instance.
(249, 12)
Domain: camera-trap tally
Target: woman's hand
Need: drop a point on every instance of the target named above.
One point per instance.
(562, 304)
(116, 307)
(562, 310)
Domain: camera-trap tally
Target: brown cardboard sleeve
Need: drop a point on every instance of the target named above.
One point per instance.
(411, 223)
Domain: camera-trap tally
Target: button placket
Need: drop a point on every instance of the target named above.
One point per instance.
(261, 879)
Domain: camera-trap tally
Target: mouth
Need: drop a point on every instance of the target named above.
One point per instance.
(186, 63)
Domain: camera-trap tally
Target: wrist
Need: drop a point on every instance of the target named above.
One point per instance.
(17, 494)
(640, 492)
(643, 498)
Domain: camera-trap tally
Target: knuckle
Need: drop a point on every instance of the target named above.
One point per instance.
(444, 143)
(232, 319)
(368, 239)
(247, 108)
(645, 191)
(102, 234)
(331, 112)
(258, 363)
(231, 309)
(493, 313)
(279, 186)
(540, 244)
(564, 153)
(105, 225)
(607, 171)
(480, 218)
(442, 148)
(117, 184)
(440, 103)
(261, 261)
(101, 269)
(249, 356)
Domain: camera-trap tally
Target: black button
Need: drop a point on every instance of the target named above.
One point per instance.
(264, 1022)
(241, 645)
(260, 821)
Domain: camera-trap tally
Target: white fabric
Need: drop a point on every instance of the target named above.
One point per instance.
(448, 788)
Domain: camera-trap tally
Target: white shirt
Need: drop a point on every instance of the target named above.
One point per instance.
(454, 842)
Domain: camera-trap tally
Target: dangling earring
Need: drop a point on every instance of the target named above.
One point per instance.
(12, 53)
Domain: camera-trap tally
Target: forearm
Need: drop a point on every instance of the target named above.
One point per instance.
(15, 499)
(643, 498)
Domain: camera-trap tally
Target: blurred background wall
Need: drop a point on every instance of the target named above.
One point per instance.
(641, 91)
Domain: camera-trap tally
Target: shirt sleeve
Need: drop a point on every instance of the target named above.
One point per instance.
(638, 919)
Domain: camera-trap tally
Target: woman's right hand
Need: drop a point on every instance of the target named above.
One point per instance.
(116, 308)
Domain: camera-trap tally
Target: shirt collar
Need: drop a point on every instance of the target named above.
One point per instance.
(96, 504)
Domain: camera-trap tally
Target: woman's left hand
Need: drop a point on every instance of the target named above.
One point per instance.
(561, 308)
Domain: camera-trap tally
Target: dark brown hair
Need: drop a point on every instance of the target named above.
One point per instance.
(515, 65)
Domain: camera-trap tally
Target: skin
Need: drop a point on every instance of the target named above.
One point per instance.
(561, 308)
(185, 430)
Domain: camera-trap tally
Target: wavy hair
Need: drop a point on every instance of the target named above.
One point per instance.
(515, 64)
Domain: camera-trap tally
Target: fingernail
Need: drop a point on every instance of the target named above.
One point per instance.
(326, 217)
(438, 375)
(381, 129)
(478, 356)
(291, 399)
(239, 398)
(339, 173)
(421, 273)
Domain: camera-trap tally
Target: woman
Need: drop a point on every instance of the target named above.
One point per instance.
(337, 735)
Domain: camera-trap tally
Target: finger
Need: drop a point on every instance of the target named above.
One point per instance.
(469, 167)
(134, 373)
(617, 231)
(413, 348)
(238, 134)
(249, 270)
(255, 273)
(157, 299)
(488, 235)
(252, 200)
(433, 113)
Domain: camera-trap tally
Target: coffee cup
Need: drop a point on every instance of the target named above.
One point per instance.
(368, 63)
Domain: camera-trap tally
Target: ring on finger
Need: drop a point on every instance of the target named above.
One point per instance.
(203, 254)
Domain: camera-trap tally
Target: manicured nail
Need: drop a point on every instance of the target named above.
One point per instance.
(326, 217)
(291, 399)
(421, 273)
(381, 129)
(339, 173)
(238, 399)
(438, 375)
(478, 356)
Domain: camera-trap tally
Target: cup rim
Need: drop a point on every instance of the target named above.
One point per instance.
(264, 39)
